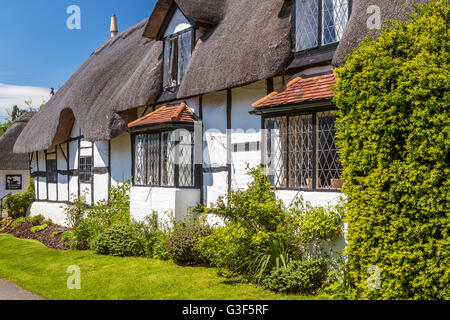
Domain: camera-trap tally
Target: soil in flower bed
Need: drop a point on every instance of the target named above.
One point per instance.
(44, 236)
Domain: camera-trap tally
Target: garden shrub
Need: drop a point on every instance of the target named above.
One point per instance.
(88, 223)
(277, 255)
(260, 233)
(255, 208)
(19, 221)
(393, 122)
(36, 229)
(340, 284)
(159, 250)
(154, 235)
(314, 227)
(116, 210)
(6, 222)
(118, 240)
(69, 239)
(37, 220)
(182, 245)
(16, 205)
(298, 277)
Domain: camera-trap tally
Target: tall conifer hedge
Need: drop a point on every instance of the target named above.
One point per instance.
(393, 98)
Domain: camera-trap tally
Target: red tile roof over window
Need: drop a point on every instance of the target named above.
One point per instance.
(179, 113)
(300, 90)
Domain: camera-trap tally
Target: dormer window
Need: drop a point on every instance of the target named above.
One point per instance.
(320, 22)
(178, 44)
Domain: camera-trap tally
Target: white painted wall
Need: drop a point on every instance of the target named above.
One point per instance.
(121, 159)
(314, 198)
(50, 210)
(145, 200)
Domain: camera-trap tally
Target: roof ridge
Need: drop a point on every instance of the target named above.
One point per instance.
(281, 89)
(177, 114)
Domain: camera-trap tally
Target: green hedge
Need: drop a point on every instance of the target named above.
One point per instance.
(393, 99)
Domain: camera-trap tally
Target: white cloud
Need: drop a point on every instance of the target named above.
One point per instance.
(11, 95)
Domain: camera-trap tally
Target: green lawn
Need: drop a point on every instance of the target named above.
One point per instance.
(42, 271)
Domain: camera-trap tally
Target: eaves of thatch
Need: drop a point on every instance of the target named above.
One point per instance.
(122, 74)
(203, 12)
(357, 27)
(8, 159)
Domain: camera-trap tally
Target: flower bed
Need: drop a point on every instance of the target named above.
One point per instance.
(50, 236)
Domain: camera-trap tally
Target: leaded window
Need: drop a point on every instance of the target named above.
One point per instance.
(167, 159)
(186, 159)
(328, 164)
(177, 54)
(320, 22)
(301, 151)
(85, 169)
(52, 172)
(164, 159)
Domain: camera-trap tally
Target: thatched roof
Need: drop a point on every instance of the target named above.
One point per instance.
(123, 73)
(357, 26)
(8, 159)
(204, 12)
(252, 42)
(246, 41)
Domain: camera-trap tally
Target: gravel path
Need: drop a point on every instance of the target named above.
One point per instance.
(9, 291)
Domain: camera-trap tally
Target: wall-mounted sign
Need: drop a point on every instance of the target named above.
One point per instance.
(14, 182)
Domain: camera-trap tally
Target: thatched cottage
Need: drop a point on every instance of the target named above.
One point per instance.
(14, 168)
(181, 103)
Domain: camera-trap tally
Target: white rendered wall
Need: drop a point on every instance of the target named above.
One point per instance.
(121, 159)
(50, 210)
(215, 183)
(145, 200)
(246, 129)
(314, 198)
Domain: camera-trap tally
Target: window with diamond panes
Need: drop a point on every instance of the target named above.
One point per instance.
(276, 157)
(164, 159)
(328, 163)
(185, 159)
(153, 155)
(167, 159)
(301, 152)
(140, 159)
(320, 22)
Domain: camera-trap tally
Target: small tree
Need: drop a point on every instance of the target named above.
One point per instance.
(393, 121)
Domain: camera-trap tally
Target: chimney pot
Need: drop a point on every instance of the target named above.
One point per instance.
(114, 29)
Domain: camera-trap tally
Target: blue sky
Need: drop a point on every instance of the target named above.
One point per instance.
(38, 51)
